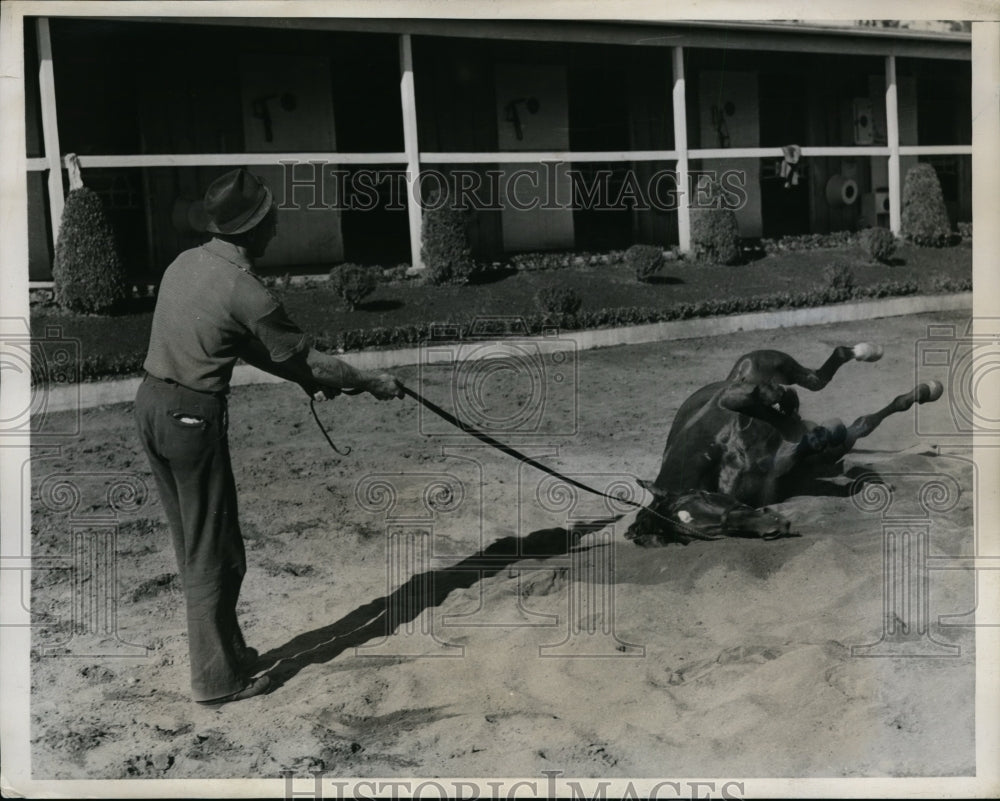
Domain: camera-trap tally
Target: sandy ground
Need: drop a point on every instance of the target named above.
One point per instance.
(513, 646)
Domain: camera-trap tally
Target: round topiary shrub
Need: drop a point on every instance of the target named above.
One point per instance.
(352, 283)
(715, 235)
(88, 272)
(558, 300)
(445, 246)
(879, 243)
(924, 216)
(840, 277)
(646, 260)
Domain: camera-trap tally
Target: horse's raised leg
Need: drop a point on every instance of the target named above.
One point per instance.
(862, 352)
(774, 366)
(864, 425)
(834, 439)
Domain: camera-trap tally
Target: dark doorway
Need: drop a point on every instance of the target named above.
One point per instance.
(365, 83)
(783, 119)
(374, 220)
(599, 120)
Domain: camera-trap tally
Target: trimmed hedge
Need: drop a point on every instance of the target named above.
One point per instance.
(798, 242)
(445, 246)
(88, 272)
(879, 243)
(924, 216)
(353, 283)
(715, 236)
(558, 300)
(839, 276)
(398, 336)
(99, 366)
(946, 285)
(645, 260)
(124, 356)
(560, 260)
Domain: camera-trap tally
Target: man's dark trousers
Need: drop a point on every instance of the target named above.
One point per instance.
(185, 435)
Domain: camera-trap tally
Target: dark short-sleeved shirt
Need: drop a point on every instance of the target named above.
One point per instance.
(209, 308)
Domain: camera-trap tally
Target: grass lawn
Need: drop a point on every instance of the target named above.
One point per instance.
(116, 345)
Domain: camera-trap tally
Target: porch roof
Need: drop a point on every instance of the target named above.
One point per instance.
(773, 36)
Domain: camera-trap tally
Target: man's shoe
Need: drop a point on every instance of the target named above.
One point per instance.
(247, 659)
(256, 686)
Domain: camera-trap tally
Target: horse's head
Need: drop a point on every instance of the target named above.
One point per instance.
(696, 514)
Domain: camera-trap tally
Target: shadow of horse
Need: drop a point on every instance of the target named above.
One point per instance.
(378, 618)
(834, 482)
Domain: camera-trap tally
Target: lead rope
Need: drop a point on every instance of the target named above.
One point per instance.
(483, 437)
(510, 451)
(312, 408)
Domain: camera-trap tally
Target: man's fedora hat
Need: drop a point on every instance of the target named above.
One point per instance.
(236, 202)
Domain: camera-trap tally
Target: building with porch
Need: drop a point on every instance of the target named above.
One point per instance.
(588, 128)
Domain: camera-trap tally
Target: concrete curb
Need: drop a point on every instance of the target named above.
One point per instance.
(99, 393)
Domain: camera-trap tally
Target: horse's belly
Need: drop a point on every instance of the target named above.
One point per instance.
(748, 448)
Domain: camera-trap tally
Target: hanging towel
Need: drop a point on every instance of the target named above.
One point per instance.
(789, 169)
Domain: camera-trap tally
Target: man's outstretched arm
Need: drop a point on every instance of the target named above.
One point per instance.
(322, 375)
(337, 375)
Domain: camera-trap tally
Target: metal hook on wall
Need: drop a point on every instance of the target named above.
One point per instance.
(512, 115)
(262, 111)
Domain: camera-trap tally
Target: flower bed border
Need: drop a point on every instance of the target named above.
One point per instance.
(99, 367)
(90, 394)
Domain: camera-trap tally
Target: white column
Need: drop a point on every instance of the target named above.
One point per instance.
(681, 146)
(16, 401)
(986, 177)
(410, 146)
(50, 129)
(892, 132)
(986, 309)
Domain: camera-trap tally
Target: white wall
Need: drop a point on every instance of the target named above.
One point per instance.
(305, 236)
(547, 129)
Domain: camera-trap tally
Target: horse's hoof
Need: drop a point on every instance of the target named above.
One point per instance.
(867, 352)
(927, 393)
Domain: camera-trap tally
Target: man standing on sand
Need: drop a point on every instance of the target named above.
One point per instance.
(211, 310)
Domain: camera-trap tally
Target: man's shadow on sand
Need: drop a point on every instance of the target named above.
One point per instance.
(377, 619)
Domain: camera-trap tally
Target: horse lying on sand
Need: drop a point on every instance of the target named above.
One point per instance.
(734, 444)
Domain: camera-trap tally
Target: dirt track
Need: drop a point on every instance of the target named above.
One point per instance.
(719, 658)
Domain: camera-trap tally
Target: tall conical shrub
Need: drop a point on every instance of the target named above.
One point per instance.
(445, 246)
(88, 273)
(924, 216)
(715, 235)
